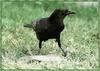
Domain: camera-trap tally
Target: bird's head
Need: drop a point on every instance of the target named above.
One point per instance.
(61, 13)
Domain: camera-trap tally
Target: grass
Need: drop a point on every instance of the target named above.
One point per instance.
(80, 36)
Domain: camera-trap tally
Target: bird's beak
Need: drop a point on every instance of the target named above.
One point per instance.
(69, 13)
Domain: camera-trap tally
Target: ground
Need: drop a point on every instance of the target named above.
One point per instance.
(80, 36)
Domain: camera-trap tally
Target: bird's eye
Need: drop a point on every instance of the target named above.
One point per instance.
(63, 13)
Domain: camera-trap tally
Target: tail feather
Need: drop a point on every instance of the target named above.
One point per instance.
(28, 25)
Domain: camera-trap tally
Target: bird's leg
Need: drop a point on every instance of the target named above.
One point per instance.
(40, 42)
(59, 44)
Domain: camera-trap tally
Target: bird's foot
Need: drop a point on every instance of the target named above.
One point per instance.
(65, 54)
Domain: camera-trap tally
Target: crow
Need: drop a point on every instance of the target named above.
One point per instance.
(50, 27)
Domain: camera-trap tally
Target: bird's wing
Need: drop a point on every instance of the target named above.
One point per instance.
(40, 25)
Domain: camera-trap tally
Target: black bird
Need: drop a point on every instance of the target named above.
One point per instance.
(50, 27)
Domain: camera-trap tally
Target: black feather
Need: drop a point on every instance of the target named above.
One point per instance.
(50, 27)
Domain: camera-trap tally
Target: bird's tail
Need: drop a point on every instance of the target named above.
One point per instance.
(28, 25)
